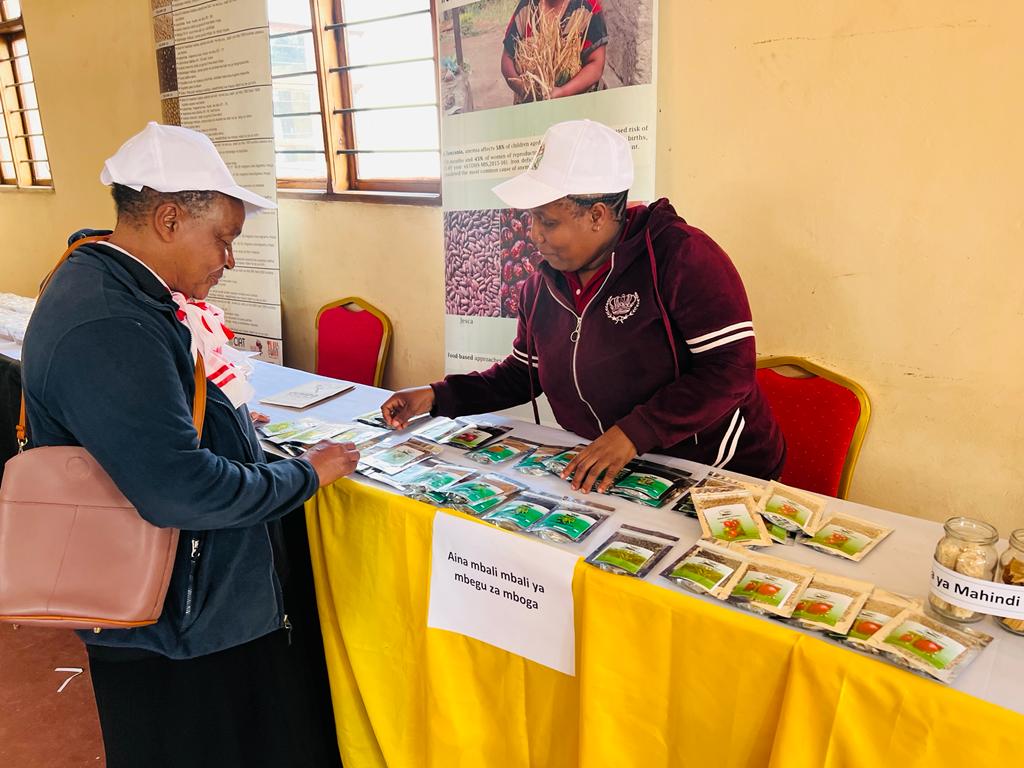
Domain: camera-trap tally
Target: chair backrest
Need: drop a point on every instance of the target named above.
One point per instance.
(352, 340)
(823, 416)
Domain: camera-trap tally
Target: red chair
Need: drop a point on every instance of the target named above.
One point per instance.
(824, 417)
(352, 340)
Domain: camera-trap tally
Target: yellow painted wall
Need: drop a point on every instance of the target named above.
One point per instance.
(860, 161)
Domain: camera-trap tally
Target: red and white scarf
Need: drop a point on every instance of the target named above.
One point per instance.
(226, 367)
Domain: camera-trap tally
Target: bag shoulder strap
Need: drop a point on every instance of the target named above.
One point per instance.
(198, 403)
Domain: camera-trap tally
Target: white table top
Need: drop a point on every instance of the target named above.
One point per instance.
(901, 563)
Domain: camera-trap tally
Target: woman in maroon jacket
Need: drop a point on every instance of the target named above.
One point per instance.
(636, 325)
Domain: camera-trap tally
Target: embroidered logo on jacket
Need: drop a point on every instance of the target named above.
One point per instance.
(622, 307)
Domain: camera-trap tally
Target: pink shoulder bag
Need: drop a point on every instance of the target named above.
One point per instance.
(74, 552)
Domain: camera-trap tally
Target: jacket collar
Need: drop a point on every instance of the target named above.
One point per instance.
(133, 275)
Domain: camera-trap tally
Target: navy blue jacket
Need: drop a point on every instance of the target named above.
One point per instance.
(106, 365)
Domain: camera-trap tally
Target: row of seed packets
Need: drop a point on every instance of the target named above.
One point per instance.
(294, 437)
(496, 499)
(854, 612)
(732, 511)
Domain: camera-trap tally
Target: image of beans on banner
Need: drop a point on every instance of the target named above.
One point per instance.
(519, 258)
(471, 256)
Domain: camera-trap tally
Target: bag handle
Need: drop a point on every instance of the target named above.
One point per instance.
(198, 403)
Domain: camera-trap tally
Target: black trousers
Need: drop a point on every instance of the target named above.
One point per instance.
(264, 703)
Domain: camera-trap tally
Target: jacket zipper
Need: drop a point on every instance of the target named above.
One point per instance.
(574, 337)
(193, 564)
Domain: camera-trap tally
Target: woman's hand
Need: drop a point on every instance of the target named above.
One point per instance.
(406, 404)
(606, 455)
(259, 418)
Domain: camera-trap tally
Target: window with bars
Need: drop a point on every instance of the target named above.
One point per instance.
(355, 95)
(23, 158)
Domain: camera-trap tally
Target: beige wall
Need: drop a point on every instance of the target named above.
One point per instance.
(860, 161)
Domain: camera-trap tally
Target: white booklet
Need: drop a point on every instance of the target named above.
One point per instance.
(307, 394)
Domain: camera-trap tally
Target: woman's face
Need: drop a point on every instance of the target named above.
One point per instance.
(568, 237)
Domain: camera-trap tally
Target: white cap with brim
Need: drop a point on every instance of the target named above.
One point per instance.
(577, 157)
(169, 158)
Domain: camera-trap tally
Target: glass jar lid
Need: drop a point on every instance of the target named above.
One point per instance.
(973, 531)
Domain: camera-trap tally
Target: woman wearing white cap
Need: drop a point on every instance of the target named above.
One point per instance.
(636, 325)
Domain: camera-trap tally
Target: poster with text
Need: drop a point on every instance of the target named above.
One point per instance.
(213, 66)
(509, 69)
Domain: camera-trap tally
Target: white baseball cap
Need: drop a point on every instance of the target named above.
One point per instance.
(169, 158)
(577, 157)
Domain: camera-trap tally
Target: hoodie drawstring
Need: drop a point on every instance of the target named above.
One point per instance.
(661, 304)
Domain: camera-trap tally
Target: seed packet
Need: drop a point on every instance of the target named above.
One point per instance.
(501, 451)
(878, 610)
(708, 569)
(521, 512)
(282, 431)
(557, 463)
(685, 504)
(632, 551)
(569, 522)
(471, 495)
(771, 585)
(831, 603)
(437, 429)
(476, 436)
(847, 536)
(373, 418)
(918, 642)
(791, 509)
(360, 434)
(394, 457)
(730, 517)
(431, 476)
(533, 462)
(651, 484)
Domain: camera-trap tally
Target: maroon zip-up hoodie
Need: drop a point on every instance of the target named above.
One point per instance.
(665, 350)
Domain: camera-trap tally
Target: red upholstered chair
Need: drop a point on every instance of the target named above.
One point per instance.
(352, 340)
(824, 417)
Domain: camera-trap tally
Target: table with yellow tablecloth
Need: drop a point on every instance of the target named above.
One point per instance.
(663, 678)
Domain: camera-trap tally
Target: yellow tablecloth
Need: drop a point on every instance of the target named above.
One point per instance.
(663, 679)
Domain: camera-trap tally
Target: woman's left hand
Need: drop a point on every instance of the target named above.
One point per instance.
(606, 455)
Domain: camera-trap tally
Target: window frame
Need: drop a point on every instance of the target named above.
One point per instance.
(343, 181)
(15, 119)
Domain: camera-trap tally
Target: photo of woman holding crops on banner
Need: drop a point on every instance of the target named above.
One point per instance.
(554, 48)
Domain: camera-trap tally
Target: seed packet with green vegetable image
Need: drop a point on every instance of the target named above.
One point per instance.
(533, 463)
(502, 451)
(918, 642)
(436, 476)
(557, 463)
(476, 436)
(439, 428)
(878, 610)
(360, 434)
(568, 523)
(831, 603)
(771, 585)
(632, 551)
(470, 495)
(730, 517)
(522, 511)
(392, 458)
(847, 536)
(708, 569)
(791, 509)
(650, 483)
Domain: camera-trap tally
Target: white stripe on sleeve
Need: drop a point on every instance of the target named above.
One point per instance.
(722, 342)
(720, 332)
(726, 436)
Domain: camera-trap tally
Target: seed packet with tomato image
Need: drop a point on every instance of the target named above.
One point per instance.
(831, 603)
(791, 509)
(918, 642)
(708, 569)
(771, 585)
(879, 609)
(730, 518)
(632, 551)
(847, 536)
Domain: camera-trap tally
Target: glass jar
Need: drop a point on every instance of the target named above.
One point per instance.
(969, 549)
(1011, 571)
